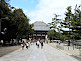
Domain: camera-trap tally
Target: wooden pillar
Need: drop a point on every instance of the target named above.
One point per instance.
(45, 35)
(0, 28)
(41, 35)
(36, 35)
(32, 37)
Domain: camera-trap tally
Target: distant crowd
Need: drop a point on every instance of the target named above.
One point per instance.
(29, 43)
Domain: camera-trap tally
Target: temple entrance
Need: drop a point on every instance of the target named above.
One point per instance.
(40, 37)
(40, 30)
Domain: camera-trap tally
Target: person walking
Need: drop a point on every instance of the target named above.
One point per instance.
(27, 44)
(41, 44)
(22, 44)
(38, 43)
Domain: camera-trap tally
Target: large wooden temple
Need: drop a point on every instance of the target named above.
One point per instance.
(40, 30)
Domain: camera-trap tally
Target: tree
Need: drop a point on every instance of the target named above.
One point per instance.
(67, 23)
(54, 26)
(53, 35)
(76, 23)
(22, 23)
(4, 12)
(18, 25)
(73, 23)
(55, 22)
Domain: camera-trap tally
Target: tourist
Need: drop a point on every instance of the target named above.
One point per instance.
(27, 45)
(38, 43)
(41, 44)
(59, 42)
(22, 44)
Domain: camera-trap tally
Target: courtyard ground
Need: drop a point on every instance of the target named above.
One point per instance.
(47, 53)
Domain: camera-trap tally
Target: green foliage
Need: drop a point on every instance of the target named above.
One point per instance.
(4, 10)
(17, 26)
(72, 23)
(53, 35)
(67, 23)
(55, 21)
(24, 29)
(54, 26)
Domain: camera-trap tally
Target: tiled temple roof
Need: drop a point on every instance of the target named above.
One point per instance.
(40, 26)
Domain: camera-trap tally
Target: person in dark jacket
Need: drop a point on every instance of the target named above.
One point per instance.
(41, 44)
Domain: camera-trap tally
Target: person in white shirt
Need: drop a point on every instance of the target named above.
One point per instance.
(38, 43)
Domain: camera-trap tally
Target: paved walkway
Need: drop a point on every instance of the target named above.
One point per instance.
(54, 54)
(48, 53)
(37, 54)
(70, 49)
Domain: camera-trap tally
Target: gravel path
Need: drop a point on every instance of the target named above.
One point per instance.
(47, 53)
(6, 50)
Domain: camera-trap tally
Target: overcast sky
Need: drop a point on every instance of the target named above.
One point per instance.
(43, 10)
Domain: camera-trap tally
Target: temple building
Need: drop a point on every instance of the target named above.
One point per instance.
(40, 30)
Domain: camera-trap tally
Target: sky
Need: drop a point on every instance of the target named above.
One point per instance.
(44, 10)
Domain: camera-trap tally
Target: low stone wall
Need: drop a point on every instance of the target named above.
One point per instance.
(60, 47)
(75, 52)
(80, 52)
(56, 46)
